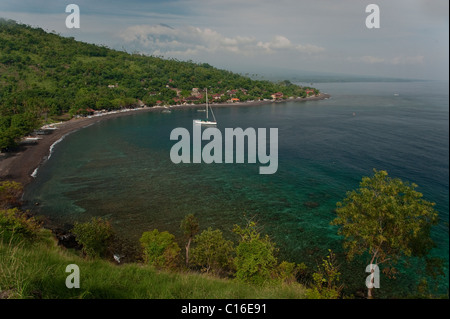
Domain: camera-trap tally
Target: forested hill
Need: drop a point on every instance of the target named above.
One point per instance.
(43, 73)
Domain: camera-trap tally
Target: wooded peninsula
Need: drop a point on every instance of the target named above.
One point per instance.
(45, 77)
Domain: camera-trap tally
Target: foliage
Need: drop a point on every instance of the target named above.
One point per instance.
(255, 255)
(212, 252)
(288, 271)
(387, 219)
(326, 280)
(10, 193)
(190, 227)
(95, 236)
(160, 249)
(17, 224)
(38, 271)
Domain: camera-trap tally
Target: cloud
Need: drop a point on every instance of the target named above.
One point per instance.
(309, 48)
(280, 42)
(371, 59)
(399, 60)
(188, 40)
(407, 60)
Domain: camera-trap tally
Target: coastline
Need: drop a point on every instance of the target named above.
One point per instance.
(20, 166)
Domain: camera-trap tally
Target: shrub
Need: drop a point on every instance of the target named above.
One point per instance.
(95, 236)
(326, 280)
(255, 256)
(287, 272)
(14, 222)
(10, 193)
(213, 252)
(160, 249)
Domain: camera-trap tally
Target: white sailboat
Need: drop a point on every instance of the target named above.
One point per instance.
(207, 121)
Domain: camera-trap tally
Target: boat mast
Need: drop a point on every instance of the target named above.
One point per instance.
(206, 103)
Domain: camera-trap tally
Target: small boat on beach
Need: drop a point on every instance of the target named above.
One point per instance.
(50, 128)
(30, 140)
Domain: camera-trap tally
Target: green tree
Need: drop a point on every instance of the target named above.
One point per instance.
(212, 252)
(23, 123)
(103, 103)
(386, 219)
(160, 249)
(255, 255)
(95, 236)
(189, 226)
(7, 139)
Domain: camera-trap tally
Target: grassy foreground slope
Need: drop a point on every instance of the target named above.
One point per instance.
(38, 270)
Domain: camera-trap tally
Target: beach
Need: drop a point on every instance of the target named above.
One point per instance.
(19, 166)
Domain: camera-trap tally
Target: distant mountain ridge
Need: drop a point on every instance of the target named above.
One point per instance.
(319, 77)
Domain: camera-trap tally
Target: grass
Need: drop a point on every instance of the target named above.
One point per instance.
(37, 270)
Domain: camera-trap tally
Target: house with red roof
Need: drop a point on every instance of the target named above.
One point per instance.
(277, 96)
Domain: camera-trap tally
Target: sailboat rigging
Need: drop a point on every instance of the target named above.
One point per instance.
(207, 121)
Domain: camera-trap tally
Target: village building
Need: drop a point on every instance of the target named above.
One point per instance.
(277, 96)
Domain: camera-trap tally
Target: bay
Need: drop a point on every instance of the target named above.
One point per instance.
(120, 169)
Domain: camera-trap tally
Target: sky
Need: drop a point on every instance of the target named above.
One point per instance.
(262, 36)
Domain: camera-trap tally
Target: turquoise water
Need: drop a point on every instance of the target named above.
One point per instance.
(121, 169)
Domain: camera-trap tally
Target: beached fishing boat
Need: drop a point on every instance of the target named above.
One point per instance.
(30, 140)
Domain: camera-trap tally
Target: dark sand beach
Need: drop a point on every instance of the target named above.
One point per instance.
(19, 166)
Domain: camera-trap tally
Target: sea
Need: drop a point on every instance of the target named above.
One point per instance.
(120, 169)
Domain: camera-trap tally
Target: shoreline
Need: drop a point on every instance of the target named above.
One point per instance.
(21, 165)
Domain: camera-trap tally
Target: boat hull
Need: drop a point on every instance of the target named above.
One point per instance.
(205, 122)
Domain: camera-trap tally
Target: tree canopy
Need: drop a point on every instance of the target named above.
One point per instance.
(387, 219)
